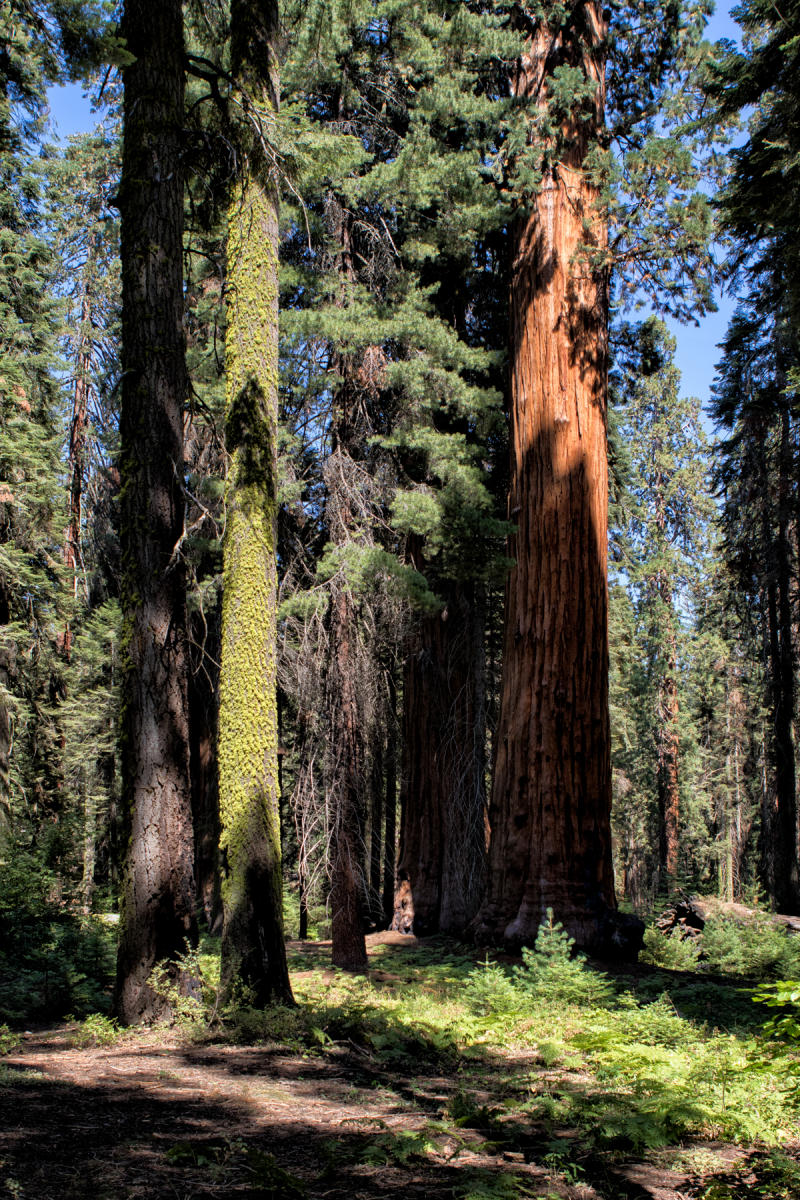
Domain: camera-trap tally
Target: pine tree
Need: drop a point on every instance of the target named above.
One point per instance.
(756, 395)
(414, 332)
(253, 951)
(659, 547)
(757, 473)
(158, 899)
(40, 45)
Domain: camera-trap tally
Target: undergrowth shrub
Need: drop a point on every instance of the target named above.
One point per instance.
(489, 990)
(52, 961)
(551, 971)
(670, 950)
(96, 1030)
(756, 948)
(183, 986)
(8, 1040)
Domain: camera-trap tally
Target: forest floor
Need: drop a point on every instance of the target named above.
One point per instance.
(393, 1086)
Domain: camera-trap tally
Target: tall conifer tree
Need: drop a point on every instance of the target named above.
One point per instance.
(158, 897)
(253, 951)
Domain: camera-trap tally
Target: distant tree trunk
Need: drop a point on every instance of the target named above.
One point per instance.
(253, 948)
(787, 882)
(89, 845)
(203, 708)
(440, 870)
(390, 807)
(346, 782)
(376, 806)
(667, 743)
(77, 453)
(7, 671)
(551, 802)
(158, 896)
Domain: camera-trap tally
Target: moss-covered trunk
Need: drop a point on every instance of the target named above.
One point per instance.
(253, 951)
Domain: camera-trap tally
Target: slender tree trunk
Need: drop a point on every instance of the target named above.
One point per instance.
(73, 557)
(89, 846)
(779, 808)
(203, 709)
(7, 672)
(346, 789)
(158, 898)
(668, 745)
(787, 877)
(668, 789)
(441, 863)
(390, 808)
(376, 829)
(551, 801)
(253, 948)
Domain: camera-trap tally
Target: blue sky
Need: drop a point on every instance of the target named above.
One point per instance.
(697, 351)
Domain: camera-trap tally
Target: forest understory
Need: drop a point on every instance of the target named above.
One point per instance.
(436, 1074)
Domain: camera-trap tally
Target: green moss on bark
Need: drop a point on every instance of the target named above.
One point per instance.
(253, 956)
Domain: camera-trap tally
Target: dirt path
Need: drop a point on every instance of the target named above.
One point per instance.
(158, 1115)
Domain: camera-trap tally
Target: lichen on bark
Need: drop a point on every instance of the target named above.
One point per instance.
(253, 954)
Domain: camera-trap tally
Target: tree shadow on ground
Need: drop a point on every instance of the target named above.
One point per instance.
(380, 1108)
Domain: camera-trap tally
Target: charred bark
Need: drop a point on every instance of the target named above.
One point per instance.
(158, 896)
(551, 802)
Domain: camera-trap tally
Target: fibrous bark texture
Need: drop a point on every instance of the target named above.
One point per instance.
(345, 787)
(253, 951)
(550, 812)
(440, 869)
(203, 710)
(158, 894)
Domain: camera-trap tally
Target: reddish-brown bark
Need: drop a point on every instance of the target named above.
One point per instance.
(668, 750)
(346, 784)
(550, 813)
(158, 894)
(440, 868)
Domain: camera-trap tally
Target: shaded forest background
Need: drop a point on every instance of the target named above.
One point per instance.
(403, 152)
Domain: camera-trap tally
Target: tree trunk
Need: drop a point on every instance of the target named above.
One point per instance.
(7, 673)
(441, 863)
(77, 449)
(551, 802)
(253, 948)
(787, 893)
(203, 709)
(158, 898)
(667, 742)
(390, 807)
(376, 804)
(346, 784)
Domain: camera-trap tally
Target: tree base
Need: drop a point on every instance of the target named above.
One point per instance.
(604, 933)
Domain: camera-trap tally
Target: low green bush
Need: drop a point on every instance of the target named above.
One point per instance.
(755, 948)
(53, 961)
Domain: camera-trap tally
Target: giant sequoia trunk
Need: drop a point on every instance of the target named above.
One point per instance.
(158, 893)
(550, 813)
(440, 869)
(253, 949)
